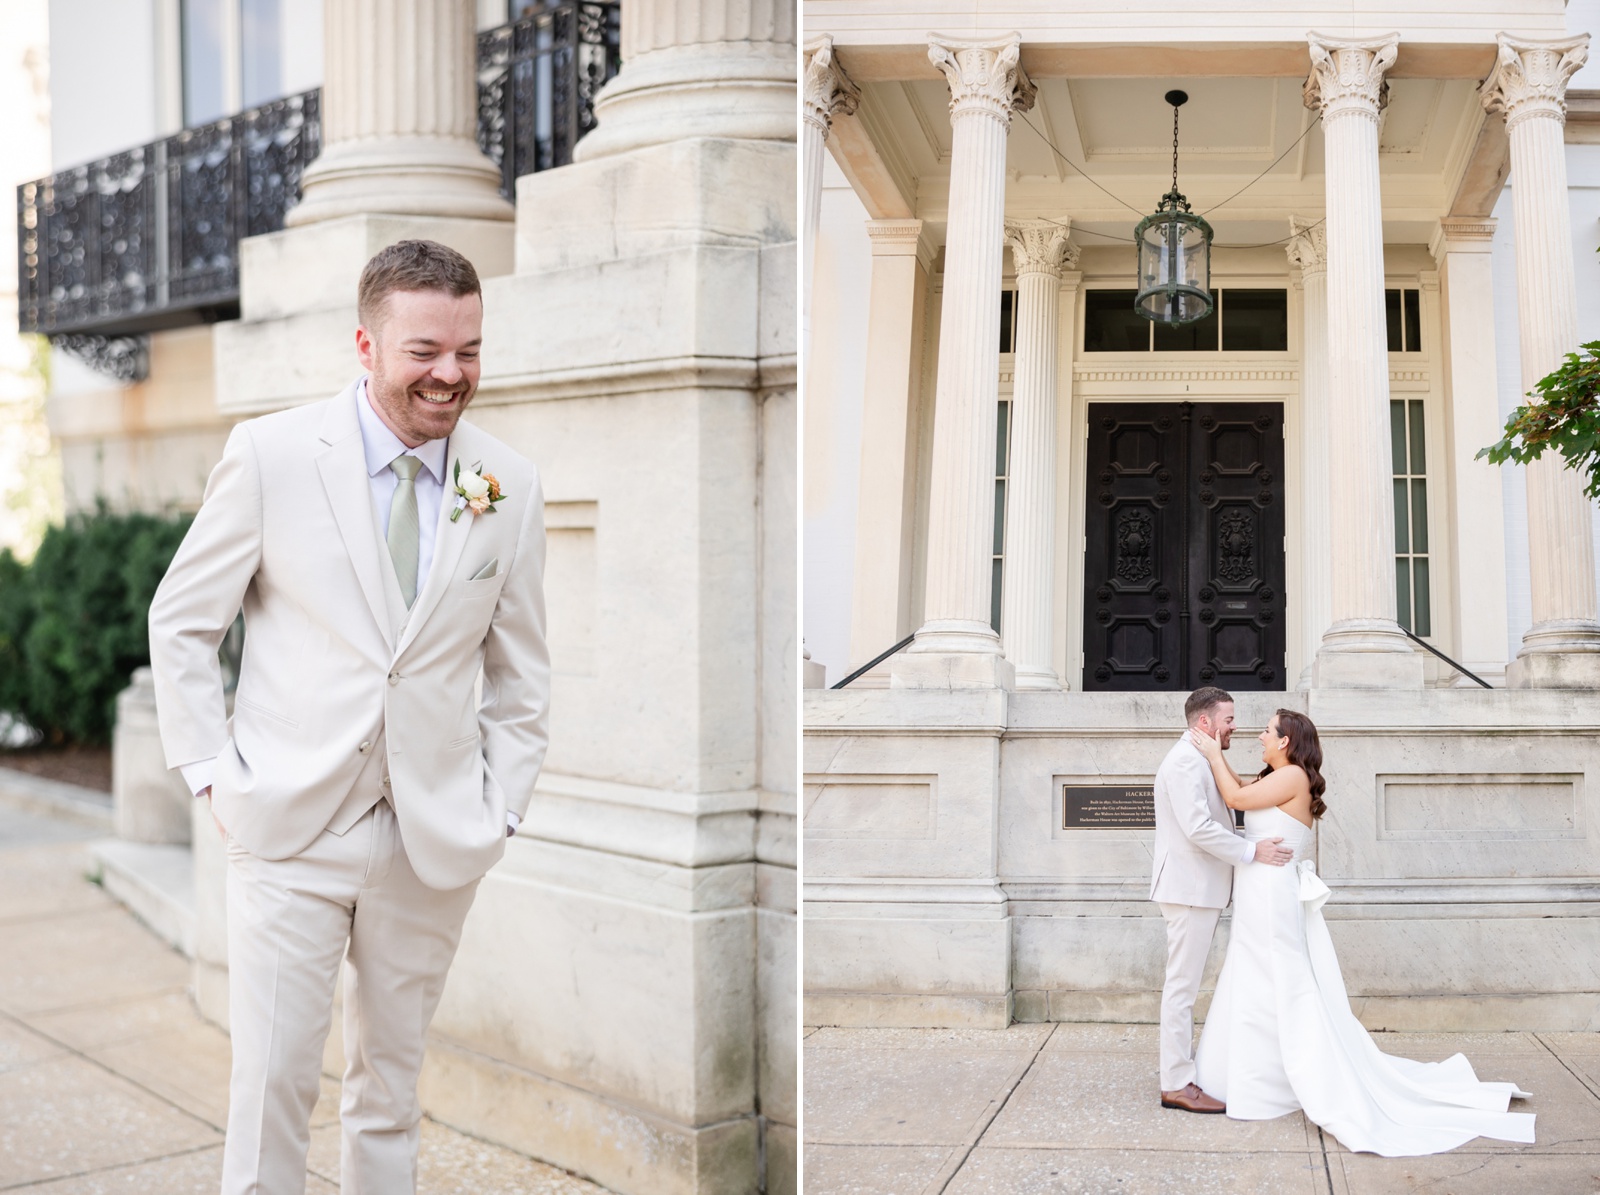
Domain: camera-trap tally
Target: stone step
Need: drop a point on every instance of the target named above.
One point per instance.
(56, 798)
(155, 881)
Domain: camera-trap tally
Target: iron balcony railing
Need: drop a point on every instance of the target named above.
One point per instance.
(149, 238)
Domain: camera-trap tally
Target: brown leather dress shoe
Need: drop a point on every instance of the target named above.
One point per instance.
(1191, 1099)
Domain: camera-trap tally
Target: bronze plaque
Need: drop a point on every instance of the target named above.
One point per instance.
(1108, 806)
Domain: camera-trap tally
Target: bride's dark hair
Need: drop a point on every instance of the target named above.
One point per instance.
(1305, 750)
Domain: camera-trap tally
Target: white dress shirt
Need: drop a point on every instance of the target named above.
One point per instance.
(381, 446)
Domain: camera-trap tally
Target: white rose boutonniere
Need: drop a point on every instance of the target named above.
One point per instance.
(475, 490)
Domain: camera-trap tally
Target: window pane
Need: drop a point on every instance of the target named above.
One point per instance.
(262, 53)
(999, 517)
(1198, 337)
(1419, 515)
(203, 100)
(1397, 434)
(1413, 321)
(1402, 542)
(994, 597)
(1255, 320)
(1002, 438)
(1111, 325)
(1008, 299)
(1419, 571)
(1419, 453)
(1402, 591)
(1391, 317)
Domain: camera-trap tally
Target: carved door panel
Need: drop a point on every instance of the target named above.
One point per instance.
(1184, 568)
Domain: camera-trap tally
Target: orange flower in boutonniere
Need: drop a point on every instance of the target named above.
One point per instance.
(475, 490)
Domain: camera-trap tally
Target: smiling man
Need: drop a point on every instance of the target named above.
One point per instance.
(383, 552)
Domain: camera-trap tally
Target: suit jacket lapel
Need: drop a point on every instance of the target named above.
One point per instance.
(343, 466)
(450, 538)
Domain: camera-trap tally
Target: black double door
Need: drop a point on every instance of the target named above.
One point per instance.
(1184, 568)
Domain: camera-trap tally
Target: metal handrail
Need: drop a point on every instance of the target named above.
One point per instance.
(875, 661)
(1446, 659)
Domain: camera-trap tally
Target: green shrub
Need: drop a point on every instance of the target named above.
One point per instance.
(73, 622)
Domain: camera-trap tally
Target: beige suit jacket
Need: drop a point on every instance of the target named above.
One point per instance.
(330, 677)
(1196, 844)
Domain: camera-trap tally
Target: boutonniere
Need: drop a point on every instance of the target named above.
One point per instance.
(475, 490)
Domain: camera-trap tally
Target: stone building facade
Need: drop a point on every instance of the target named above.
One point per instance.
(1081, 516)
(623, 1003)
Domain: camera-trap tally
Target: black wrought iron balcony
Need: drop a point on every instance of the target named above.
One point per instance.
(148, 238)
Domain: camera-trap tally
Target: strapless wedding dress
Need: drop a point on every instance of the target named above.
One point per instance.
(1280, 1035)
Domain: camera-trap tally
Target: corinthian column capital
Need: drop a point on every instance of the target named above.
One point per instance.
(984, 76)
(1530, 77)
(1308, 245)
(1347, 74)
(1041, 246)
(827, 89)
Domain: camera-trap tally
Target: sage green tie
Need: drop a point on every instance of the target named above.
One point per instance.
(404, 525)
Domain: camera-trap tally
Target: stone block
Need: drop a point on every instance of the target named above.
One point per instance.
(1367, 670)
(1554, 670)
(151, 803)
(950, 670)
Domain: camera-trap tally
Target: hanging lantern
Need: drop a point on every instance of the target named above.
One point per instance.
(1174, 252)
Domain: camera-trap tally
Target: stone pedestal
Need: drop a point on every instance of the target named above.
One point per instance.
(1528, 84)
(1363, 646)
(151, 804)
(956, 646)
(1039, 250)
(399, 115)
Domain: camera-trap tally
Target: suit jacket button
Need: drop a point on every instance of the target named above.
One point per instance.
(394, 678)
(365, 747)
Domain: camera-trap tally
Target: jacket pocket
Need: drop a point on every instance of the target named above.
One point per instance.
(265, 712)
(464, 741)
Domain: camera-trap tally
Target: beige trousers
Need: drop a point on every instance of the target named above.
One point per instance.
(1189, 933)
(290, 923)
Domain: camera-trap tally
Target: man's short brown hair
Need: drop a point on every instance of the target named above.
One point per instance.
(1202, 700)
(413, 265)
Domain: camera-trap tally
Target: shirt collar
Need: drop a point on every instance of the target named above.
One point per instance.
(381, 445)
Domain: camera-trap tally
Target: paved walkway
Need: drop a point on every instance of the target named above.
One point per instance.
(111, 1084)
(1073, 1108)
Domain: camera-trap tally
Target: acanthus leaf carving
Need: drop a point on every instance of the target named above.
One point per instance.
(1348, 75)
(1308, 245)
(827, 90)
(983, 76)
(1041, 246)
(1530, 77)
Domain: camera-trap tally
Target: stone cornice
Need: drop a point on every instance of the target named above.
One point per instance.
(826, 90)
(984, 76)
(1308, 245)
(1530, 76)
(1041, 246)
(900, 238)
(1457, 234)
(1347, 74)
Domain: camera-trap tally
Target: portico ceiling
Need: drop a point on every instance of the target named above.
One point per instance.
(1119, 130)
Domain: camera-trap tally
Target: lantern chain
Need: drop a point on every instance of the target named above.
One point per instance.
(1174, 147)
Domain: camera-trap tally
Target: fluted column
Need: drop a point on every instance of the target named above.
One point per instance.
(1308, 250)
(828, 92)
(956, 647)
(1039, 250)
(698, 68)
(1363, 646)
(400, 115)
(1529, 83)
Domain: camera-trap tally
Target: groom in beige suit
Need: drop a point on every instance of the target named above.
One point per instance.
(383, 553)
(1196, 851)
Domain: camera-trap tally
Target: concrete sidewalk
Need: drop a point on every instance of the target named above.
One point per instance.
(1074, 1108)
(109, 1080)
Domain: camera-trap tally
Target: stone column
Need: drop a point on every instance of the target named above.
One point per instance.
(827, 92)
(400, 115)
(956, 647)
(1039, 250)
(1529, 83)
(1308, 249)
(1462, 248)
(1363, 646)
(890, 417)
(698, 68)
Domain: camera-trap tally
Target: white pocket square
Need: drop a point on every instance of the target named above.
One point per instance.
(487, 571)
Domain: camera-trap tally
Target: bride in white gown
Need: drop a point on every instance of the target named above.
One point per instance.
(1280, 1035)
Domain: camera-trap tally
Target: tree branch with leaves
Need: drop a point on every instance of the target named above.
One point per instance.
(1565, 416)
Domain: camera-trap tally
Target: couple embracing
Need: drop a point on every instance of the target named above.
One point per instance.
(1280, 1036)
